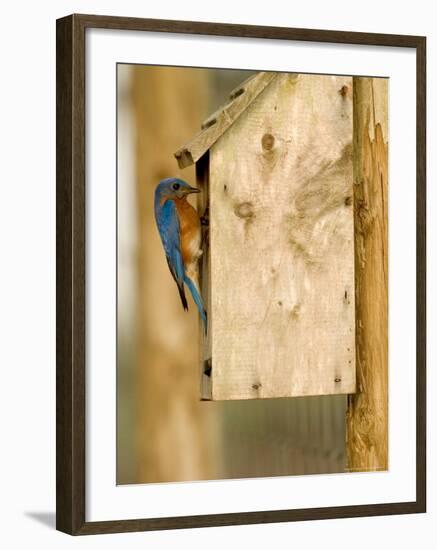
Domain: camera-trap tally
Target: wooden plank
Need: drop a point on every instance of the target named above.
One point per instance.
(367, 418)
(202, 180)
(217, 123)
(281, 244)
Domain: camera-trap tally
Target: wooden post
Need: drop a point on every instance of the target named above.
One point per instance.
(367, 417)
(281, 304)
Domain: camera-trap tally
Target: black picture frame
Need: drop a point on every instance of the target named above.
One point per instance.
(71, 279)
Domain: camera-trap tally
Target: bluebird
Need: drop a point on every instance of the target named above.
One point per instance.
(179, 227)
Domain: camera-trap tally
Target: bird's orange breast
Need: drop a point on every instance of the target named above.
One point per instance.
(190, 230)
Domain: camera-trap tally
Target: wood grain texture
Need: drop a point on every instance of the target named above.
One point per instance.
(421, 397)
(367, 418)
(70, 276)
(64, 519)
(281, 244)
(202, 180)
(216, 124)
(247, 31)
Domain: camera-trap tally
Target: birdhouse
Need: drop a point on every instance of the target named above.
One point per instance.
(277, 272)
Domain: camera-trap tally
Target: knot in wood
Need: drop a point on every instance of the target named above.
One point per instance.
(267, 142)
(236, 93)
(244, 210)
(294, 313)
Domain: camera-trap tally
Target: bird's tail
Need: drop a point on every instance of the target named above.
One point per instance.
(182, 295)
(197, 299)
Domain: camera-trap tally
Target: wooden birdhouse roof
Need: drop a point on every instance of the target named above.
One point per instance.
(216, 124)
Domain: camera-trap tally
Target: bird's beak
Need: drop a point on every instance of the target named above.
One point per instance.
(193, 190)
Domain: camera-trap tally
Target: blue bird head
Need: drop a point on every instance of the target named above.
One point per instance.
(174, 188)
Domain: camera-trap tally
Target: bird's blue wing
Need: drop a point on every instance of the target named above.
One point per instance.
(168, 225)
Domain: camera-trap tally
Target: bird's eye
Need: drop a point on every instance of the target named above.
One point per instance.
(176, 186)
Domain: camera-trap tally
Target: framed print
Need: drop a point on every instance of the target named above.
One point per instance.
(240, 274)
